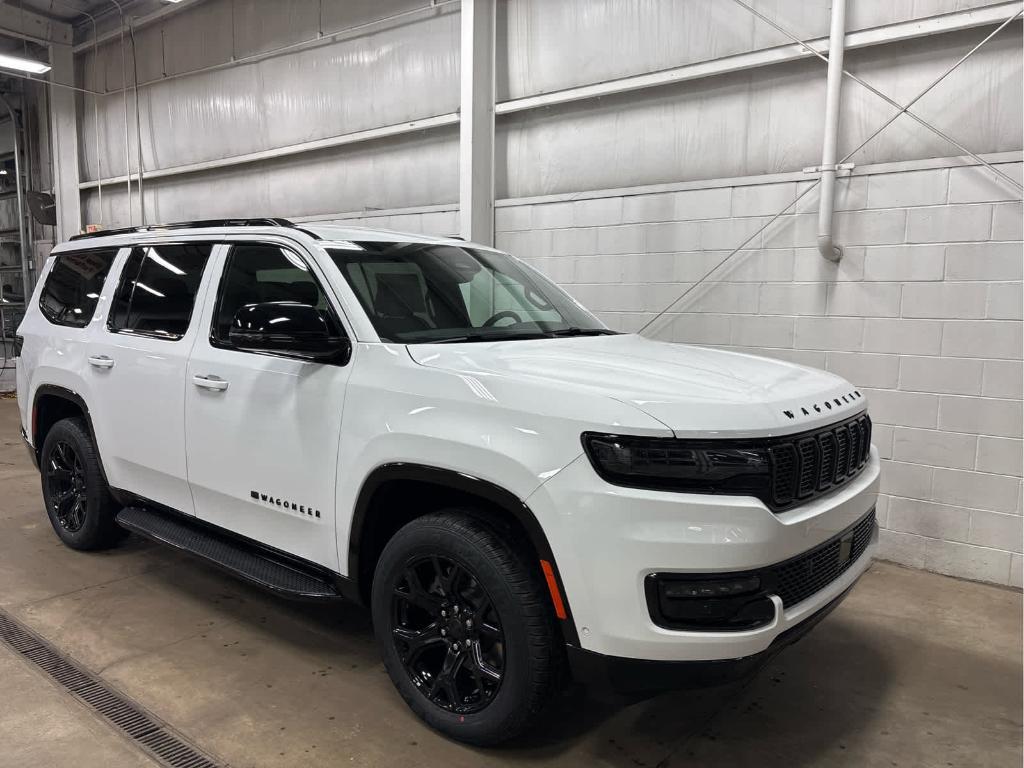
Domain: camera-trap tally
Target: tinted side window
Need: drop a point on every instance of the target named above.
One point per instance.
(73, 286)
(158, 290)
(263, 273)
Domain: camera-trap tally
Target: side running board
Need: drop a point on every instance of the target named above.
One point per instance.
(245, 561)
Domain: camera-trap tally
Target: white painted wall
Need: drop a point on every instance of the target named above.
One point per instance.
(923, 314)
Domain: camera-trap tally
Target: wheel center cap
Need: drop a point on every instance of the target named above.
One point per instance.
(456, 629)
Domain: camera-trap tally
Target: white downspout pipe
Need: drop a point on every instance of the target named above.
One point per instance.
(836, 45)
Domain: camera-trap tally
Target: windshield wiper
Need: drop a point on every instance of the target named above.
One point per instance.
(485, 337)
(520, 336)
(584, 332)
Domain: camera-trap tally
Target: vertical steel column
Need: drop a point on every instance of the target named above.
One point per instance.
(19, 187)
(826, 207)
(64, 138)
(476, 122)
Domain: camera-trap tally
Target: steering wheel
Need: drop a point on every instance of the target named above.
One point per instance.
(501, 316)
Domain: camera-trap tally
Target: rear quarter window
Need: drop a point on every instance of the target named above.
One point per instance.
(73, 286)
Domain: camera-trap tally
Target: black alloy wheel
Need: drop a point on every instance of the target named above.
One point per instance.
(75, 490)
(448, 634)
(65, 475)
(466, 627)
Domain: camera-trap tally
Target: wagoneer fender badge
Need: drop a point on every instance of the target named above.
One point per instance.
(302, 509)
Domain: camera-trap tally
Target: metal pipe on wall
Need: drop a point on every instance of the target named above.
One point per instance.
(28, 280)
(138, 123)
(20, 192)
(826, 205)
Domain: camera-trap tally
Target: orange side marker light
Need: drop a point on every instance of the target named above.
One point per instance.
(556, 596)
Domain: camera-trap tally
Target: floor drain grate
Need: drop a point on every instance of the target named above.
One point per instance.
(149, 733)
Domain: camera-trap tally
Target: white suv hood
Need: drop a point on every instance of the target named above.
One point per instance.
(692, 390)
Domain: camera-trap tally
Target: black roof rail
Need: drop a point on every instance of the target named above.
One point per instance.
(267, 222)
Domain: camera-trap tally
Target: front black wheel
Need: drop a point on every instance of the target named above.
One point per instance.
(465, 628)
(77, 498)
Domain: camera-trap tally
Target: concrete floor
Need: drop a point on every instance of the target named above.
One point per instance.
(913, 669)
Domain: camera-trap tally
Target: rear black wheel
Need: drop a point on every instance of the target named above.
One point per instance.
(66, 480)
(465, 629)
(77, 498)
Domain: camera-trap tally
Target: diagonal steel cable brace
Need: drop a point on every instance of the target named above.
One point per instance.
(903, 109)
(813, 185)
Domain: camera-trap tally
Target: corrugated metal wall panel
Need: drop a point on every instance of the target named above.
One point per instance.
(391, 173)
(260, 27)
(547, 46)
(757, 121)
(980, 104)
(402, 73)
(199, 37)
(351, 13)
(765, 121)
(676, 133)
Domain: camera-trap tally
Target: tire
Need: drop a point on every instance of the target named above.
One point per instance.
(77, 498)
(497, 587)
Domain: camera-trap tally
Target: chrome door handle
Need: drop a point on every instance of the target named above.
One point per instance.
(210, 382)
(101, 361)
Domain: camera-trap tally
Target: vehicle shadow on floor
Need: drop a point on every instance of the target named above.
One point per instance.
(787, 703)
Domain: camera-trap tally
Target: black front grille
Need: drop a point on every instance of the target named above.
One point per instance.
(813, 463)
(798, 579)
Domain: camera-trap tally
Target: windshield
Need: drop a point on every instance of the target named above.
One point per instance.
(421, 293)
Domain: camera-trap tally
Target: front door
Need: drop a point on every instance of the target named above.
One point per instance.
(263, 429)
(136, 356)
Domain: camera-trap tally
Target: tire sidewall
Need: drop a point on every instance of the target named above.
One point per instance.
(72, 432)
(514, 693)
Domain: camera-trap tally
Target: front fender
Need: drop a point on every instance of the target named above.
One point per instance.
(510, 433)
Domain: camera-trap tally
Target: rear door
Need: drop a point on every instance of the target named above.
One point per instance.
(263, 429)
(136, 362)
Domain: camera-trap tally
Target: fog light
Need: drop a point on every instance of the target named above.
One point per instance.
(711, 588)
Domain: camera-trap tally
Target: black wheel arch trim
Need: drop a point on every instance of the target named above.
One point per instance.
(447, 478)
(63, 393)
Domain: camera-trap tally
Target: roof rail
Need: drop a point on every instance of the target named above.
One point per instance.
(268, 222)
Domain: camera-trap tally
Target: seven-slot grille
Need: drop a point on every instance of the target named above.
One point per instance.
(812, 463)
(798, 579)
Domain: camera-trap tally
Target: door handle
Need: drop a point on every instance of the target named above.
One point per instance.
(215, 383)
(101, 361)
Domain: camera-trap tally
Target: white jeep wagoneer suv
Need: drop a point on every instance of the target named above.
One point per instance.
(433, 428)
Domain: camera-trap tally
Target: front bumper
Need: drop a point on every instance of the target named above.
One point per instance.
(607, 540)
(615, 675)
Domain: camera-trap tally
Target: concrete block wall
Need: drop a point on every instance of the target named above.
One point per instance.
(923, 314)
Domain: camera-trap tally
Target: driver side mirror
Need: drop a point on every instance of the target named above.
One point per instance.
(289, 328)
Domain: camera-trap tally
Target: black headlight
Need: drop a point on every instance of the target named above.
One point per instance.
(682, 465)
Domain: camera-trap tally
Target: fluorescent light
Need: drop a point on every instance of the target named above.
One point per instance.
(154, 256)
(3, 172)
(146, 288)
(23, 65)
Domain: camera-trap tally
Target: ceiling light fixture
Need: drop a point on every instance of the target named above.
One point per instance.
(23, 65)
